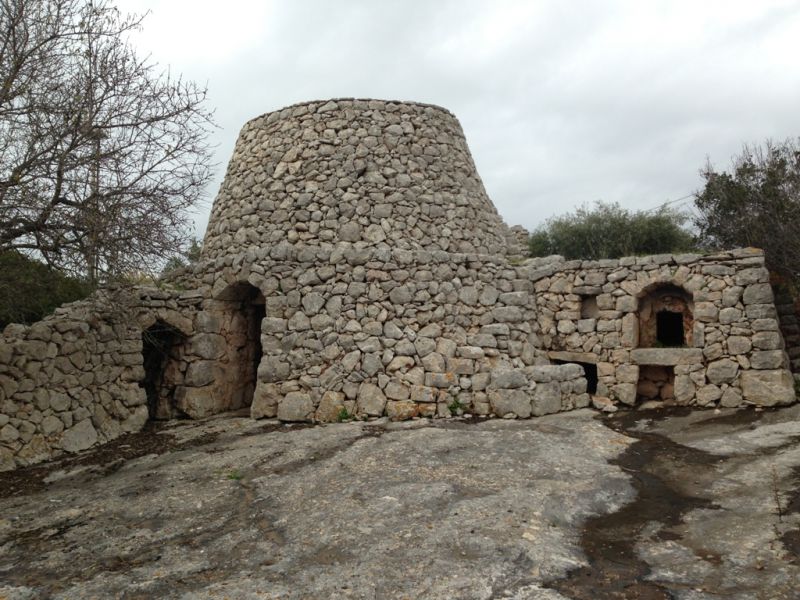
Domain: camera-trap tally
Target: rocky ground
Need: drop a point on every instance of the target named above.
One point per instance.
(686, 505)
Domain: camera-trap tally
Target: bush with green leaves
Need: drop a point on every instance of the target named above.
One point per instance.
(610, 231)
(756, 204)
(30, 290)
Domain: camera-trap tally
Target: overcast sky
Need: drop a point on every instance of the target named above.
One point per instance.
(562, 102)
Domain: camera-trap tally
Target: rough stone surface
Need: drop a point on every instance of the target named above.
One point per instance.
(293, 512)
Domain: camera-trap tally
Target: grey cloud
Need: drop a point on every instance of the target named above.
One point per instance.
(559, 111)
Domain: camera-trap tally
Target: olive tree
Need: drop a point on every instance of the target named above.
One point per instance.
(610, 231)
(101, 152)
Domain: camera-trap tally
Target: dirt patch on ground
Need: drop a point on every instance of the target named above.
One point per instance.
(615, 570)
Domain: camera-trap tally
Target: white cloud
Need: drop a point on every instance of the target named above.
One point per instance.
(562, 103)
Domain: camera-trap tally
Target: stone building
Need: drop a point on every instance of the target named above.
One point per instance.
(353, 265)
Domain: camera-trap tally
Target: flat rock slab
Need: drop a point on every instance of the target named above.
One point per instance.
(233, 508)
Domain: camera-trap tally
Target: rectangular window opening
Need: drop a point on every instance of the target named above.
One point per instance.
(669, 329)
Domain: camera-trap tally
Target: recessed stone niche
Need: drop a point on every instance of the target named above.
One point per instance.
(666, 318)
(656, 382)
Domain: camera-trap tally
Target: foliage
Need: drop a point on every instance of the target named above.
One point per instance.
(30, 290)
(101, 154)
(610, 231)
(183, 259)
(455, 406)
(343, 415)
(756, 204)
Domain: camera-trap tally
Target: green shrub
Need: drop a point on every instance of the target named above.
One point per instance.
(610, 231)
(30, 290)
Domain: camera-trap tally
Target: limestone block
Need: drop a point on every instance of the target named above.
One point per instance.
(514, 298)
(722, 371)
(758, 293)
(488, 296)
(768, 387)
(197, 403)
(731, 398)
(630, 330)
(516, 402)
(739, 345)
(6, 460)
(767, 340)
(446, 347)
(401, 410)
(761, 311)
(461, 366)
(396, 390)
(751, 276)
(729, 315)
(202, 373)
(684, 389)
(546, 398)
(36, 450)
(480, 381)
(296, 406)
(421, 393)
(468, 295)
(330, 407)
(470, 352)
(508, 379)
(708, 394)
(9, 434)
(440, 380)
(769, 359)
(371, 400)
(207, 345)
(371, 363)
(51, 425)
(265, 400)
(667, 356)
(401, 363)
(136, 421)
(507, 314)
(706, 312)
(424, 346)
(731, 296)
(627, 373)
(434, 363)
(624, 392)
(79, 437)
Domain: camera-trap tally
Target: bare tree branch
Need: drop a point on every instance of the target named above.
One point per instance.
(101, 154)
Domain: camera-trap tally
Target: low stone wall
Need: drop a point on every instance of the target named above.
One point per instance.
(590, 311)
(73, 379)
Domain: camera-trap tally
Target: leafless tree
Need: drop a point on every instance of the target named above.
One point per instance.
(101, 153)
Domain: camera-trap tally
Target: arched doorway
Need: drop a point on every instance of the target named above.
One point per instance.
(245, 308)
(160, 343)
(666, 317)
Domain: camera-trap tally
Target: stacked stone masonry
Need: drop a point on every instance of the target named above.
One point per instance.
(354, 267)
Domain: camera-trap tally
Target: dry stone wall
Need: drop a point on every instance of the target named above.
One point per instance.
(389, 174)
(733, 355)
(354, 267)
(73, 380)
(368, 331)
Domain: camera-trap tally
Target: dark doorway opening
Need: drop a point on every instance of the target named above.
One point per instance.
(159, 343)
(669, 329)
(589, 371)
(245, 306)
